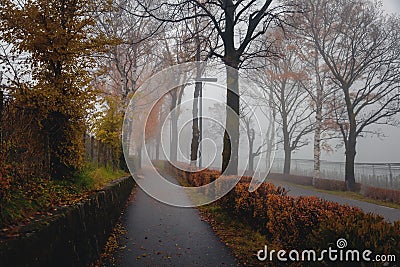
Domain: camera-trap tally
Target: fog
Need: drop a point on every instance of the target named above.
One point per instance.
(371, 148)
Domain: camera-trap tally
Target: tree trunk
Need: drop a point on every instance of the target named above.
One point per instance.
(139, 158)
(251, 159)
(350, 142)
(350, 159)
(194, 149)
(286, 148)
(126, 141)
(270, 132)
(158, 143)
(174, 137)
(55, 125)
(1, 104)
(174, 128)
(318, 121)
(251, 164)
(195, 127)
(288, 159)
(286, 138)
(252, 155)
(231, 137)
(317, 148)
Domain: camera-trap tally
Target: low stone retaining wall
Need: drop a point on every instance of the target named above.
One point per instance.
(74, 236)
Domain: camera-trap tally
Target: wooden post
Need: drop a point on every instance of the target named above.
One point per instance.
(390, 175)
(1, 115)
(1, 103)
(98, 153)
(92, 149)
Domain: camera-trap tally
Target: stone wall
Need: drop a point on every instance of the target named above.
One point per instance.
(74, 236)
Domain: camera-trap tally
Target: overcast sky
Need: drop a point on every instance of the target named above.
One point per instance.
(391, 6)
(369, 149)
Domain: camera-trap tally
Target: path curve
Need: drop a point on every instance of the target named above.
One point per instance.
(390, 214)
(163, 235)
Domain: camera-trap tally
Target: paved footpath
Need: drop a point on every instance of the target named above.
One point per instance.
(390, 214)
(163, 235)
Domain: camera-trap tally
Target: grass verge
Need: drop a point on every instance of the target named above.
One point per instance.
(243, 241)
(39, 197)
(348, 194)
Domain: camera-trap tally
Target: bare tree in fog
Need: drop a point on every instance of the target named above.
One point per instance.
(360, 46)
(229, 19)
(282, 81)
(318, 86)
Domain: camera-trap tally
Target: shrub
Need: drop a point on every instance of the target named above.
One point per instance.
(382, 194)
(296, 179)
(362, 231)
(334, 185)
(300, 222)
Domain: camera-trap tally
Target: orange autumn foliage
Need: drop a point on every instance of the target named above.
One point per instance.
(299, 222)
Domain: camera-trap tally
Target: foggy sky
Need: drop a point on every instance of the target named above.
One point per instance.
(391, 6)
(369, 149)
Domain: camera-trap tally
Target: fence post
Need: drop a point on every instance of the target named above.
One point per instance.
(98, 153)
(105, 159)
(1, 114)
(1, 103)
(373, 170)
(92, 149)
(390, 175)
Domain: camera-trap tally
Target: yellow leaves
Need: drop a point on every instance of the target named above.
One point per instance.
(59, 38)
(108, 126)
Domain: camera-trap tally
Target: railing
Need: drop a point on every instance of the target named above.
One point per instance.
(384, 175)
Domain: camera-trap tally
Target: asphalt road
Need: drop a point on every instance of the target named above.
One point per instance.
(163, 235)
(390, 214)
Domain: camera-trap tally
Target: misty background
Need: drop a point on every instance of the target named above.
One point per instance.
(370, 149)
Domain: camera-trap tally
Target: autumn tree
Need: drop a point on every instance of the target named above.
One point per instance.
(248, 119)
(237, 27)
(200, 32)
(107, 126)
(318, 86)
(134, 57)
(359, 44)
(58, 38)
(282, 81)
(178, 48)
(131, 60)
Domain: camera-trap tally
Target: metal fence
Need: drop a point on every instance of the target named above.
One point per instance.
(384, 175)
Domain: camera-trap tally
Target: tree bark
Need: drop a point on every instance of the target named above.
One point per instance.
(194, 149)
(288, 159)
(318, 121)
(286, 135)
(55, 126)
(317, 147)
(174, 127)
(350, 142)
(231, 136)
(158, 143)
(350, 159)
(195, 127)
(1, 104)
(139, 158)
(270, 131)
(251, 154)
